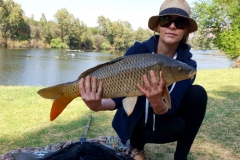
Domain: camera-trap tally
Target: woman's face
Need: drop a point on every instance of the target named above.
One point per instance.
(172, 29)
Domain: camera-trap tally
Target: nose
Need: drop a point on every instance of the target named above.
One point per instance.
(172, 26)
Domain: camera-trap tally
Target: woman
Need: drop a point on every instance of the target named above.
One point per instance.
(151, 121)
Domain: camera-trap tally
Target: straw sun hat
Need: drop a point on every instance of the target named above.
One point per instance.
(174, 7)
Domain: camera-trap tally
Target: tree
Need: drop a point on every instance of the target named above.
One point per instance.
(103, 25)
(128, 36)
(77, 31)
(100, 42)
(142, 34)
(64, 20)
(45, 29)
(54, 29)
(86, 39)
(12, 23)
(218, 22)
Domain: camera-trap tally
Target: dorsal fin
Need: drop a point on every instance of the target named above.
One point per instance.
(87, 72)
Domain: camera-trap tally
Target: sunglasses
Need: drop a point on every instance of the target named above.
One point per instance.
(180, 22)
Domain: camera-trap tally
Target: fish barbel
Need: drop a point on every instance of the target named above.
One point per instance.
(120, 77)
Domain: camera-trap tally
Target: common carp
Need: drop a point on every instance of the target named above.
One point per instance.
(120, 77)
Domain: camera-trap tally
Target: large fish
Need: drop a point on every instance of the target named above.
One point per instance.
(119, 78)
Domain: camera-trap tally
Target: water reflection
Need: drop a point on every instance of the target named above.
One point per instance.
(47, 67)
(211, 59)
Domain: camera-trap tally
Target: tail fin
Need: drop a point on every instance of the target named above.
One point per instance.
(59, 104)
(52, 92)
(62, 96)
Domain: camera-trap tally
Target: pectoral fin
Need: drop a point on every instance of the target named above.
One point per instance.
(167, 98)
(129, 104)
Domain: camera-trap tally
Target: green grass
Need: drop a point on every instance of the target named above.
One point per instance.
(24, 120)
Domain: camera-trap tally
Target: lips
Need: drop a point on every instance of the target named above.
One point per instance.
(171, 34)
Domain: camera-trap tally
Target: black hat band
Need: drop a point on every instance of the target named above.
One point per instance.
(170, 11)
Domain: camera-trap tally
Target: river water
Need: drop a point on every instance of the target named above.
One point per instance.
(45, 67)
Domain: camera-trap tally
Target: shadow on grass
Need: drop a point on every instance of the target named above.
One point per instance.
(220, 132)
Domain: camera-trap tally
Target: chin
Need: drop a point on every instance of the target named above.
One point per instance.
(169, 42)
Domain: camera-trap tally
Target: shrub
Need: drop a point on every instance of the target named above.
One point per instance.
(105, 46)
(57, 43)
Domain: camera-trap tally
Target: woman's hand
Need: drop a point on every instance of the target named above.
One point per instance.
(91, 95)
(154, 92)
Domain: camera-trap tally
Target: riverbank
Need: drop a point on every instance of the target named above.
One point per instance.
(25, 121)
(31, 43)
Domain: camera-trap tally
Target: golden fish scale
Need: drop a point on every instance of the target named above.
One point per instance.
(72, 90)
(120, 79)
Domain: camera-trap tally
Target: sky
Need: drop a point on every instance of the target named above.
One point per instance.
(136, 12)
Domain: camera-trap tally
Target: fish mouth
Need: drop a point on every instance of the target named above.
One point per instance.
(192, 74)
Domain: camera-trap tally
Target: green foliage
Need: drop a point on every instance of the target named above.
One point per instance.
(12, 23)
(57, 43)
(105, 46)
(23, 44)
(94, 30)
(86, 39)
(64, 19)
(120, 33)
(45, 29)
(63, 45)
(229, 41)
(70, 30)
(98, 40)
(218, 22)
(142, 34)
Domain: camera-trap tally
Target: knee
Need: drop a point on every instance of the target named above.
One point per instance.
(198, 90)
(197, 93)
(179, 129)
(195, 99)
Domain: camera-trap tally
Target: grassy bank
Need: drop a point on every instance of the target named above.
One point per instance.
(24, 120)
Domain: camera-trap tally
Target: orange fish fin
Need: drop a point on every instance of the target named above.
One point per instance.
(59, 104)
(51, 92)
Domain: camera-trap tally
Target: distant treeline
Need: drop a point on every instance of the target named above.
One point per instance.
(218, 21)
(66, 31)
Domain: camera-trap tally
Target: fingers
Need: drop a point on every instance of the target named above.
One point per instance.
(88, 88)
(153, 79)
(88, 85)
(99, 91)
(149, 85)
(146, 84)
(162, 81)
(81, 86)
(96, 92)
(152, 86)
(94, 84)
(141, 89)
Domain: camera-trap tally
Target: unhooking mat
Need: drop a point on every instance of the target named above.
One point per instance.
(112, 142)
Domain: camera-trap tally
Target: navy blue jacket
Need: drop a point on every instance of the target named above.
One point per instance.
(124, 124)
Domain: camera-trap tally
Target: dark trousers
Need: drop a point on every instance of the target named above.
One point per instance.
(182, 128)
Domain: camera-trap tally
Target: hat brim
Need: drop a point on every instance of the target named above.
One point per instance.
(192, 27)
